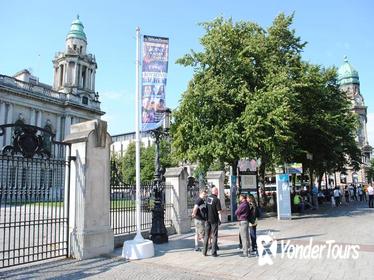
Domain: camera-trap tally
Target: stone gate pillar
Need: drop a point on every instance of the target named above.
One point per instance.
(176, 195)
(217, 178)
(89, 216)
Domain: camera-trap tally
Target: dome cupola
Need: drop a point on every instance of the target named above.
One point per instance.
(347, 74)
(76, 30)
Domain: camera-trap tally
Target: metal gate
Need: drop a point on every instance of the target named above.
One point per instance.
(34, 192)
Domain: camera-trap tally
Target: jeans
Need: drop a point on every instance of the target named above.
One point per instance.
(210, 230)
(371, 201)
(252, 231)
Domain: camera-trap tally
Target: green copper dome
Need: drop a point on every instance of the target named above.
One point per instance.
(76, 30)
(347, 74)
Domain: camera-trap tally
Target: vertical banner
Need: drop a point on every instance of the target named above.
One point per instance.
(283, 197)
(154, 74)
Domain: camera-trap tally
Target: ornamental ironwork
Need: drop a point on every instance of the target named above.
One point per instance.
(28, 140)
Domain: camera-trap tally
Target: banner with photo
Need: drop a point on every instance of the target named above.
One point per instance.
(154, 77)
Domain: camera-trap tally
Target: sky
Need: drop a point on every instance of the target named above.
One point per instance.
(33, 31)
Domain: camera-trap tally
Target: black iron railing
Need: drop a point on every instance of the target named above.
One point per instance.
(33, 185)
(123, 207)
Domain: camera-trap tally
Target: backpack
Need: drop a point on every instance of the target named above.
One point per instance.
(203, 211)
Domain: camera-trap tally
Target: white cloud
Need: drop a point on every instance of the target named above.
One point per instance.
(370, 128)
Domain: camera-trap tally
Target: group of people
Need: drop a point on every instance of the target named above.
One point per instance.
(207, 215)
(301, 200)
(352, 193)
(207, 218)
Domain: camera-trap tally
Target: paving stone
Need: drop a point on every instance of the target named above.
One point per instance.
(176, 260)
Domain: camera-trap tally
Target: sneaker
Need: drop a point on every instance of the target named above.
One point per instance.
(215, 255)
(253, 253)
(197, 249)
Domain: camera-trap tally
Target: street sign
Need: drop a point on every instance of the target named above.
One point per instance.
(283, 197)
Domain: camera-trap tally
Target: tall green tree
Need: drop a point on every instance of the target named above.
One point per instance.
(253, 96)
(325, 125)
(238, 103)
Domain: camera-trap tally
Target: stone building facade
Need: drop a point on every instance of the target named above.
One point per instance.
(349, 82)
(71, 99)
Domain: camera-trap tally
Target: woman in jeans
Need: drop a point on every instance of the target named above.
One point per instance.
(253, 223)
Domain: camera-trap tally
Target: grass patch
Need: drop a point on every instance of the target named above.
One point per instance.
(37, 203)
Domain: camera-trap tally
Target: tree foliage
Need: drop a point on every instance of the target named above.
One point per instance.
(147, 161)
(253, 96)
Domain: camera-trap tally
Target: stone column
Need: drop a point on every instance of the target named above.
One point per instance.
(9, 120)
(2, 120)
(93, 80)
(65, 78)
(76, 75)
(217, 178)
(80, 82)
(32, 116)
(176, 195)
(89, 222)
(87, 80)
(39, 123)
(58, 129)
(67, 125)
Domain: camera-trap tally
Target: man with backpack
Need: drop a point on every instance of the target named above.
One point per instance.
(214, 220)
(200, 215)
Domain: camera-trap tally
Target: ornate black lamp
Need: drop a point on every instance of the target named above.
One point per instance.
(158, 231)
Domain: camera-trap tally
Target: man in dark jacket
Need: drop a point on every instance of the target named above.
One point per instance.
(211, 225)
(242, 214)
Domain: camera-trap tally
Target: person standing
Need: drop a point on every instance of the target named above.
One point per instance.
(371, 196)
(213, 221)
(346, 194)
(199, 213)
(360, 192)
(337, 195)
(242, 214)
(315, 197)
(254, 214)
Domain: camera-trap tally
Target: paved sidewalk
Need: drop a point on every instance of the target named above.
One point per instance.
(349, 225)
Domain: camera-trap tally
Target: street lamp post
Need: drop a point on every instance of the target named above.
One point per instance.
(158, 231)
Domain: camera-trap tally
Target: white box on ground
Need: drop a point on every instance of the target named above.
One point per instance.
(138, 249)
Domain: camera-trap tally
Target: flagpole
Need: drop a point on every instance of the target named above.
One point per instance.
(138, 248)
(138, 236)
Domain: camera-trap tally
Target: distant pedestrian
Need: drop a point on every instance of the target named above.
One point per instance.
(315, 197)
(213, 221)
(337, 195)
(346, 194)
(360, 193)
(199, 213)
(242, 214)
(371, 196)
(297, 202)
(355, 193)
(364, 191)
